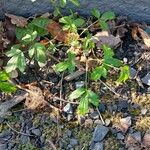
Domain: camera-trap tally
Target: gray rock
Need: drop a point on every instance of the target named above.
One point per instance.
(137, 136)
(123, 105)
(133, 73)
(146, 79)
(73, 142)
(100, 133)
(98, 121)
(94, 115)
(27, 8)
(36, 132)
(144, 111)
(107, 122)
(80, 84)
(98, 146)
(24, 139)
(1, 120)
(102, 107)
(3, 146)
(68, 109)
(88, 123)
(120, 136)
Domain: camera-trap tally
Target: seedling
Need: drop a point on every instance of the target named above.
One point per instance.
(103, 18)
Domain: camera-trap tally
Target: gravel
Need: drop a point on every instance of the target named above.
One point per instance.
(146, 79)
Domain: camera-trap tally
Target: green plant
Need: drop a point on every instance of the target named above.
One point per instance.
(70, 23)
(86, 97)
(103, 18)
(68, 64)
(5, 85)
(28, 48)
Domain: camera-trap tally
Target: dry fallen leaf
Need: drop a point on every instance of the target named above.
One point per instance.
(55, 29)
(105, 38)
(145, 37)
(17, 20)
(35, 99)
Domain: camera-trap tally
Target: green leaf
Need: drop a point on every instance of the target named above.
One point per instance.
(62, 66)
(112, 62)
(93, 98)
(17, 59)
(96, 13)
(7, 87)
(124, 74)
(39, 25)
(83, 107)
(37, 51)
(71, 62)
(109, 15)
(77, 93)
(66, 20)
(108, 52)
(98, 72)
(63, 3)
(103, 25)
(78, 22)
(4, 76)
(30, 37)
(75, 2)
(22, 32)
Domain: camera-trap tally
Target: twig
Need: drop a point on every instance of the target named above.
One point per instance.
(51, 143)
(124, 97)
(103, 122)
(88, 27)
(55, 98)
(61, 89)
(18, 132)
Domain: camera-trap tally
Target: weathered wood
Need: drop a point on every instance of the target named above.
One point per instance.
(134, 9)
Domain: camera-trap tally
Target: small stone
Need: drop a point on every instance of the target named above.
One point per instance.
(137, 136)
(68, 109)
(146, 79)
(100, 133)
(14, 74)
(102, 107)
(107, 122)
(24, 139)
(144, 111)
(120, 136)
(3, 146)
(94, 115)
(73, 142)
(36, 132)
(98, 146)
(1, 120)
(125, 123)
(79, 84)
(133, 73)
(146, 138)
(123, 105)
(125, 60)
(69, 133)
(88, 123)
(98, 121)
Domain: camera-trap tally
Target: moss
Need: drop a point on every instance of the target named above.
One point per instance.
(143, 124)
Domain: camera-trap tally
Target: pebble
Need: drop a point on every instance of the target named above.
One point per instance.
(94, 115)
(102, 107)
(88, 123)
(107, 122)
(120, 136)
(133, 73)
(3, 146)
(123, 105)
(98, 146)
(36, 132)
(79, 84)
(73, 142)
(98, 121)
(146, 138)
(144, 111)
(100, 133)
(24, 139)
(146, 79)
(68, 109)
(137, 136)
(1, 120)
